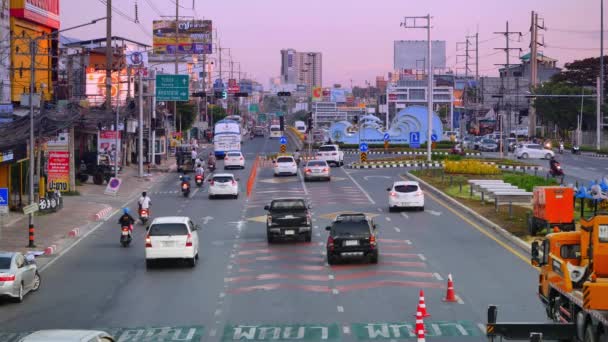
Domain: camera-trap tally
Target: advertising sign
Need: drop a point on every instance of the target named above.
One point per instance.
(58, 171)
(96, 86)
(338, 95)
(137, 59)
(44, 12)
(317, 94)
(193, 37)
(233, 87)
(107, 151)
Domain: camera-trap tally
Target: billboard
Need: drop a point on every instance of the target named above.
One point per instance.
(58, 171)
(317, 94)
(96, 86)
(107, 150)
(193, 37)
(409, 54)
(137, 59)
(338, 95)
(43, 12)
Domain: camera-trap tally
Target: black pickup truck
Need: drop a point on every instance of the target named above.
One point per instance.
(288, 218)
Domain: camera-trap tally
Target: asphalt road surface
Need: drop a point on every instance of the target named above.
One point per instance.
(244, 289)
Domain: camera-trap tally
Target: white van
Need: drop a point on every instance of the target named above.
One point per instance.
(275, 131)
(300, 126)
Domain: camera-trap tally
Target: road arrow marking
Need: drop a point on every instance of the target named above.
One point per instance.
(368, 177)
(206, 219)
(433, 212)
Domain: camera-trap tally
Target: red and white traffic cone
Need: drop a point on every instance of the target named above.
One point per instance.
(421, 305)
(419, 326)
(450, 295)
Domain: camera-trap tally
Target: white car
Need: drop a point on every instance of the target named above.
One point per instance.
(405, 194)
(317, 169)
(18, 275)
(331, 154)
(234, 159)
(223, 184)
(68, 336)
(285, 165)
(526, 151)
(172, 237)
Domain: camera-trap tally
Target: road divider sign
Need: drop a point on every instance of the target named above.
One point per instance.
(363, 157)
(283, 148)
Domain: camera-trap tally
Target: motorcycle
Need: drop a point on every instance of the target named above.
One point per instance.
(556, 171)
(561, 148)
(185, 188)
(144, 214)
(211, 167)
(199, 179)
(576, 149)
(125, 237)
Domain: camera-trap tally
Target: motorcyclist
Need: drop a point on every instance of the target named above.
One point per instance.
(200, 171)
(296, 156)
(144, 202)
(193, 154)
(211, 159)
(553, 164)
(126, 220)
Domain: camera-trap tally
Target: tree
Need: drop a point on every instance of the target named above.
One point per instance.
(300, 115)
(564, 111)
(581, 73)
(218, 113)
(186, 114)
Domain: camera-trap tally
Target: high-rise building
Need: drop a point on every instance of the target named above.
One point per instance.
(303, 68)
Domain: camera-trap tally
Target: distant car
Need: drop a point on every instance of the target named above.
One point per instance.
(488, 145)
(172, 237)
(68, 336)
(331, 154)
(234, 159)
(352, 235)
(258, 131)
(18, 275)
(467, 142)
(316, 169)
(288, 218)
(405, 194)
(477, 142)
(285, 165)
(525, 151)
(223, 184)
(511, 144)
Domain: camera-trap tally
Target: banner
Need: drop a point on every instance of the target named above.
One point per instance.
(137, 59)
(107, 151)
(193, 37)
(317, 94)
(58, 171)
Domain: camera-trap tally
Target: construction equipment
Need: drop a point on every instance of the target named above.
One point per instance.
(553, 207)
(573, 286)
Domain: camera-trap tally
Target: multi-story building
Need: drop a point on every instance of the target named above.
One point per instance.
(303, 68)
(547, 67)
(326, 113)
(5, 53)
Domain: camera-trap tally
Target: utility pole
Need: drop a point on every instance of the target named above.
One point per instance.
(140, 128)
(601, 52)
(533, 70)
(427, 26)
(507, 68)
(176, 59)
(33, 47)
(109, 55)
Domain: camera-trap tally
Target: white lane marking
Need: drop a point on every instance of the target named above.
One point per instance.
(433, 212)
(303, 183)
(380, 209)
(387, 218)
(232, 256)
(235, 245)
(459, 300)
(324, 253)
(222, 295)
(229, 267)
(315, 227)
(422, 257)
(592, 168)
(212, 332)
(408, 242)
(217, 312)
(397, 230)
(340, 308)
(361, 188)
(346, 329)
(405, 215)
(179, 210)
(330, 276)
(481, 327)
(335, 291)
(439, 277)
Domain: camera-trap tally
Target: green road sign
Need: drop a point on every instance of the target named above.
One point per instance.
(254, 108)
(172, 87)
(279, 114)
(261, 117)
(281, 332)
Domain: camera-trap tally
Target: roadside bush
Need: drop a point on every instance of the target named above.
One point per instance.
(527, 182)
(296, 133)
(470, 167)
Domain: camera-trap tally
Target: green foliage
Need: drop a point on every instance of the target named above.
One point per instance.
(563, 111)
(580, 73)
(527, 182)
(186, 114)
(218, 113)
(300, 115)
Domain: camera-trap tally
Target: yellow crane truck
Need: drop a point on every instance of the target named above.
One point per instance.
(572, 285)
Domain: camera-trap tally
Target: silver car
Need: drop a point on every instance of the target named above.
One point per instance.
(316, 169)
(68, 336)
(18, 275)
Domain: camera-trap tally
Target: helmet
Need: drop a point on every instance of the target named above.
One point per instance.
(125, 210)
(144, 194)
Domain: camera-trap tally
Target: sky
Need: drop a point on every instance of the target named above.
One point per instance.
(356, 36)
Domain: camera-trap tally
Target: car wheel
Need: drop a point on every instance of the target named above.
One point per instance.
(19, 298)
(149, 263)
(37, 282)
(329, 179)
(192, 262)
(548, 156)
(524, 155)
(308, 237)
(373, 258)
(210, 196)
(236, 196)
(421, 208)
(196, 256)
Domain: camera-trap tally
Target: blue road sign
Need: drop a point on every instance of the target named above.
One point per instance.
(283, 140)
(363, 147)
(414, 139)
(433, 137)
(3, 199)
(387, 137)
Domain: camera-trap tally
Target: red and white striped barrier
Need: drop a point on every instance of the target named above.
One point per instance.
(50, 250)
(74, 232)
(102, 213)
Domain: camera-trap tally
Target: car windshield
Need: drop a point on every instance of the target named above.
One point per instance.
(164, 229)
(296, 204)
(348, 227)
(406, 188)
(275, 129)
(285, 160)
(5, 263)
(316, 163)
(222, 179)
(327, 148)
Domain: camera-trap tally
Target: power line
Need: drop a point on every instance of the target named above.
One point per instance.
(154, 8)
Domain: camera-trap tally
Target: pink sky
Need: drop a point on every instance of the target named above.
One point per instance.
(355, 36)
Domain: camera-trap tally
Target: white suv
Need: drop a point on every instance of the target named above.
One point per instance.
(223, 184)
(331, 154)
(526, 151)
(405, 194)
(172, 237)
(285, 165)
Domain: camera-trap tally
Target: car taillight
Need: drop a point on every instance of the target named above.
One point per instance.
(333, 153)
(7, 277)
(393, 194)
(308, 170)
(189, 241)
(308, 220)
(184, 186)
(372, 241)
(419, 193)
(148, 242)
(125, 229)
(330, 243)
(212, 182)
(233, 182)
(241, 158)
(325, 169)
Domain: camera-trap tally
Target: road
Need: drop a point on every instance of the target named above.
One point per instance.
(244, 289)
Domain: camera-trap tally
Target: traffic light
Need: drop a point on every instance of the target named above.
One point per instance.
(282, 122)
(283, 93)
(241, 94)
(198, 94)
(310, 123)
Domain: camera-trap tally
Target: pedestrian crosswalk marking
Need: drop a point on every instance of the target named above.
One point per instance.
(332, 216)
(279, 180)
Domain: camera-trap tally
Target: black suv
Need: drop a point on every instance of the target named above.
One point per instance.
(352, 235)
(288, 218)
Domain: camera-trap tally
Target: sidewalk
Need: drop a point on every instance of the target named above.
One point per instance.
(56, 231)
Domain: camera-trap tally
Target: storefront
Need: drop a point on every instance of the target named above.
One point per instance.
(14, 175)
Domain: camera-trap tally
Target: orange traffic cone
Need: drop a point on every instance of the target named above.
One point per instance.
(421, 305)
(419, 326)
(450, 295)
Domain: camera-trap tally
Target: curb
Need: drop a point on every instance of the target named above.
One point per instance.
(382, 165)
(50, 250)
(412, 153)
(521, 244)
(102, 213)
(597, 155)
(74, 232)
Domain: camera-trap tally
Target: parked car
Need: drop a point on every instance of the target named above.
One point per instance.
(234, 159)
(352, 235)
(285, 165)
(18, 275)
(288, 218)
(68, 336)
(172, 237)
(488, 145)
(525, 151)
(316, 169)
(405, 194)
(223, 184)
